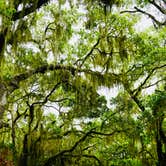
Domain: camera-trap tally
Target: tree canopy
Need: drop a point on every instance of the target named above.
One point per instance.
(61, 62)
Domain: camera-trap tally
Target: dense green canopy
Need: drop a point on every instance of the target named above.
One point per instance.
(61, 62)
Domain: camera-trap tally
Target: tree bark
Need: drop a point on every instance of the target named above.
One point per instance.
(160, 142)
(23, 161)
(159, 115)
(3, 102)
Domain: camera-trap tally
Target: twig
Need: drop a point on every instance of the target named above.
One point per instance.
(88, 55)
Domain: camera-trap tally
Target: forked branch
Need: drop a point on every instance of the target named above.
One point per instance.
(137, 10)
(52, 159)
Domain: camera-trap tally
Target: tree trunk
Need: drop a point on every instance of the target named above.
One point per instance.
(3, 103)
(160, 143)
(23, 161)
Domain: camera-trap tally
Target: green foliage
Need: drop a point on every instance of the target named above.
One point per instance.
(56, 58)
(5, 10)
(142, 3)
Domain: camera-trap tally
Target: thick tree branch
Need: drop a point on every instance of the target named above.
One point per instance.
(139, 88)
(162, 10)
(47, 97)
(59, 100)
(14, 82)
(82, 139)
(151, 16)
(26, 11)
(107, 134)
(134, 93)
(66, 133)
(135, 98)
(53, 158)
(19, 115)
(150, 85)
(145, 13)
(128, 11)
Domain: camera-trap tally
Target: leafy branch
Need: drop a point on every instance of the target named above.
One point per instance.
(52, 159)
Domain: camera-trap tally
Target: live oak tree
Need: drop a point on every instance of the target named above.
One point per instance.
(54, 57)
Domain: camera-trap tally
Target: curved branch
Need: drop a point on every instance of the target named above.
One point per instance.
(53, 158)
(28, 10)
(47, 97)
(14, 82)
(88, 54)
(139, 88)
(128, 11)
(162, 10)
(83, 138)
(150, 85)
(151, 16)
(134, 93)
(145, 13)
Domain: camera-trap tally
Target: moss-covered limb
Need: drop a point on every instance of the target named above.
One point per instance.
(52, 159)
(14, 82)
(28, 10)
(3, 102)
